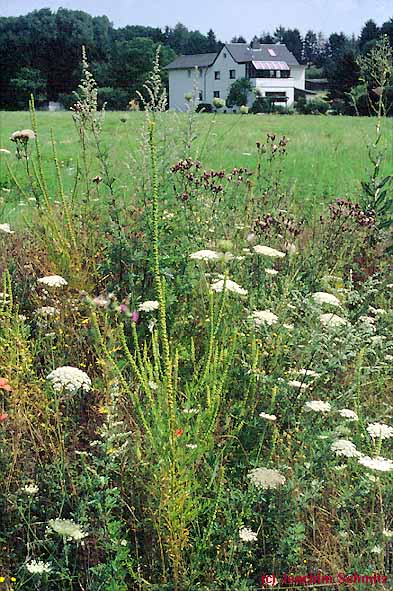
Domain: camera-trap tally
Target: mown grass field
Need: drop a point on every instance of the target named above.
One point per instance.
(327, 156)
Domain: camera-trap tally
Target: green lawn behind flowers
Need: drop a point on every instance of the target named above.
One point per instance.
(327, 156)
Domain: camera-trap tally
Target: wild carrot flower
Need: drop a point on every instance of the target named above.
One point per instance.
(232, 286)
(271, 271)
(332, 320)
(379, 431)
(205, 255)
(267, 251)
(266, 478)
(38, 567)
(348, 414)
(53, 281)
(322, 297)
(298, 384)
(247, 535)
(6, 228)
(149, 306)
(30, 489)
(344, 447)
(268, 417)
(318, 406)
(378, 463)
(70, 379)
(67, 528)
(261, 317)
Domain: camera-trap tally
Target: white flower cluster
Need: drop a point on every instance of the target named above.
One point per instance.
(378, 463)
(6, 228)
(261, 317)
(149, 306)
(232, 286)
(268, 417)
(348, 414)
(344, 447)
(70, 379)
(30, 489)
(266, 478)
(52, 281)
(322, 297)
(38, 567)
(206, 255)
(267, 251)
(379, 431)
(318, 406)
(67, 528)
(247, 535)
(332, 320)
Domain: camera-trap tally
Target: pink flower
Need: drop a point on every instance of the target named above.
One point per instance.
(135, 316)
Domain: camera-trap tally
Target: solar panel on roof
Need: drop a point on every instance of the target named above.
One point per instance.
(270, 65)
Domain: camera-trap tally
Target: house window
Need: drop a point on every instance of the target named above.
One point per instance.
(216, 75)
(224, 54)
(232, 74)
(272, 52)
(200, 95)
(216, 94)
(277, 96)
(285, 73)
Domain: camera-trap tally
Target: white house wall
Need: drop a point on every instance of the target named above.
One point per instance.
(222, 65)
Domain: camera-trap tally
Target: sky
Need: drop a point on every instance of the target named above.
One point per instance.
(227, 18)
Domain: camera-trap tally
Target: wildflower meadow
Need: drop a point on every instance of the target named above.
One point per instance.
(195, 367)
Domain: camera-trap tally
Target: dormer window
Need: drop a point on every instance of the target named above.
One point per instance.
(224, 54)
(272, 52)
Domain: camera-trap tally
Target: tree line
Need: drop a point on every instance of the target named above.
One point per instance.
(41, 54)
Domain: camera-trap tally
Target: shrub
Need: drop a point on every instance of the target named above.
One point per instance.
(314, 107)
(205, 107)
(67, 99)
(238, 93)
(262, 105)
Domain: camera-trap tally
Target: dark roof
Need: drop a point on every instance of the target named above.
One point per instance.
(242, 53)
(200, 60)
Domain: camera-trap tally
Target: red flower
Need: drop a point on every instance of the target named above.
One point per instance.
(4, 385)
(179, 432)
(3, 417)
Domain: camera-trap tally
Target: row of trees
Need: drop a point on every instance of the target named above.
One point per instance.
(41, 54)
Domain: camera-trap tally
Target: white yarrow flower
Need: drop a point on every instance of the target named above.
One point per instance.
(266, 478)
(269, 252)
(344, 447)
(379, 431)
(318, 406)
(348, 414)
(149, 306)
(70, 379)
(247, 535)
(232, 286)
(52, 281)
(68, 529)
(261, 317)
(322, 297)
(38, 567)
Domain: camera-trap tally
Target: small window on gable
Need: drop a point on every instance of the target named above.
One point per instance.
(272, 52)
(224, 54)
(217, 76)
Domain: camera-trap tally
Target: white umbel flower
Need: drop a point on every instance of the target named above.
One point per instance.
(247, 535)
(387, 533)
(70, 379)
(318, 406)
(378, 463)
(379, 431)
(47, 311)
(67, 528)
(6, 228)
(52, 281)
(232, 286)
(266, 478)
(206, 255)
(267, 251)
(271, 271)
(332, 320)
(298, 384)
(344, 447)
(261, 317)
(308, 373)
(30, 489)
(38, 567)
(268, 417)
(149, 306)
(322, 297)
(348, 414)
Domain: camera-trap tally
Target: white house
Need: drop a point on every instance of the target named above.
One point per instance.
(273, 71)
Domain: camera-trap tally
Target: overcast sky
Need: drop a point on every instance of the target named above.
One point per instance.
(226, 18)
